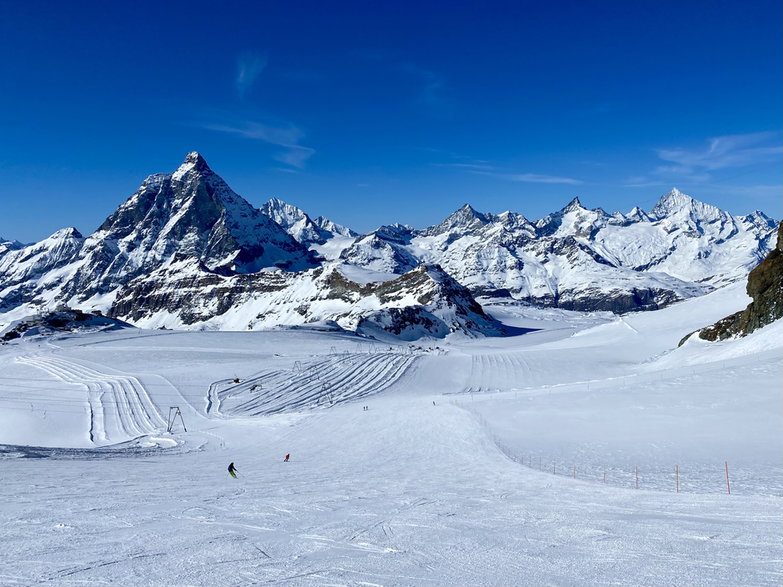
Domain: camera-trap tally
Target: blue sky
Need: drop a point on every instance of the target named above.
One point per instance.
(379, 112)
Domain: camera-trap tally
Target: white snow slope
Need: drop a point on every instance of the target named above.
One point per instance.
(503, 461)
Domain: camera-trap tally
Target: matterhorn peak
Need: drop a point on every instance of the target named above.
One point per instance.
(195, 158)
(193, 162)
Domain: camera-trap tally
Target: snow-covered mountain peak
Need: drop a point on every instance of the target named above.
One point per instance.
(574, 218)
(678, 205)
(190, 223)
(193, 162)
(334, 228)
(757, 219)
(195, 158)
(573, 206)
(278, 204)
(671, 202)
(7, 245)
(466, 218)
(299, 225)
(286, 215)
(637, 215)
(66, 233)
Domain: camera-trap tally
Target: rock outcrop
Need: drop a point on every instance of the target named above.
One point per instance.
(61, 320)
(765, 286)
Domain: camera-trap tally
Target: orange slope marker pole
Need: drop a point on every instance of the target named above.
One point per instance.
(728, 484)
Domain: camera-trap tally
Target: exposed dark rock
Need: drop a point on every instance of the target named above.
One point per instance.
(60, 320)
(765, 286)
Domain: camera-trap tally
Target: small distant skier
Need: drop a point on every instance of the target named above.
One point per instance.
(288, 456)
(232, 470)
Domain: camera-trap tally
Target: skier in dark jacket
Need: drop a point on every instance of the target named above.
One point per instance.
(232, 470)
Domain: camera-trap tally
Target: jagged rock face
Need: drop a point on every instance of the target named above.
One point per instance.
(444, 306)
(464, 220)
(299, 225)
(20, 264)
(333, 228)
(423, 302)
(295, 222)
(185, 292)
(765, 286)
(27, 272)
(191, 213)
(63, 320)
(326, 238)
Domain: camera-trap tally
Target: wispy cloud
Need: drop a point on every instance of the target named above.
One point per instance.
(641, 182)
(249, 67)
(730, 151)
(287, 137)
(483, 167)
(530, 177)
(697, 165)
(469, 166)
(723, 152)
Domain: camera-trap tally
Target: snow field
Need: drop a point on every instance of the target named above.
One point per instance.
(120, 407)
(423, 488)
(406, 493)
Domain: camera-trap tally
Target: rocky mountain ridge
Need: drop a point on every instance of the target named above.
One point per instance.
(578, 258)
(185, 294)
(186, 251)
(191, 212)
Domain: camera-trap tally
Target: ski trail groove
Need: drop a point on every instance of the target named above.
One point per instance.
(319, 384)
(120, 406)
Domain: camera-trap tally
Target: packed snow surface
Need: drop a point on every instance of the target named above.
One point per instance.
(494, 461)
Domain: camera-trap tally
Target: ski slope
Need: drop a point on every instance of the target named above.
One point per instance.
(319, 383)
(497, 461)
(119, 406)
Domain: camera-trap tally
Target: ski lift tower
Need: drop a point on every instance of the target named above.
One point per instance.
(174, 411)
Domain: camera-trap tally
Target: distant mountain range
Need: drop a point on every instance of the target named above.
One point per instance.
(185, 251)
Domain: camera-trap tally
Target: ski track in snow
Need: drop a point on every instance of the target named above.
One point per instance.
(319, 383)
(497, 372)
(120, 407)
